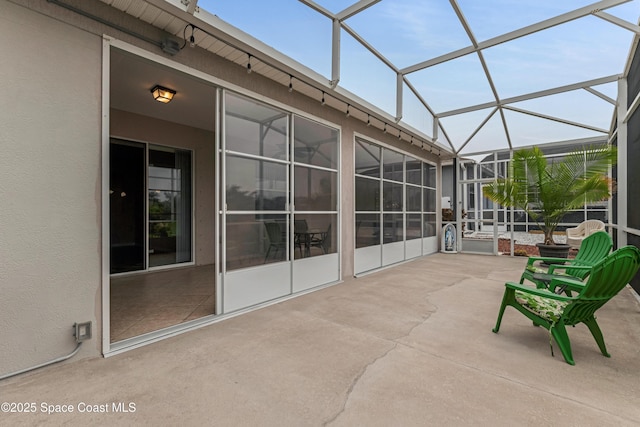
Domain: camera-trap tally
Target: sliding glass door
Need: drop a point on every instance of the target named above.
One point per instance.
(127, 203)
(169, 206)
(256, 204)
(315, 201)
(368, 206)
(280, 206)
(151, 206)
(395, 202)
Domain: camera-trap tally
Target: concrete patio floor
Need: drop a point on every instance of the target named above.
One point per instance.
(407, 346)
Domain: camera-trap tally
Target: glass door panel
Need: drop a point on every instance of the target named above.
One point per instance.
(395, 204)
(127, 206)
(169, 198)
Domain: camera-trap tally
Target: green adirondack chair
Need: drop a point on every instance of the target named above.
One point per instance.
(592, 250)
(555, 312)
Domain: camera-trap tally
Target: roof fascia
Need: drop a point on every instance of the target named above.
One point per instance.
(240, 40)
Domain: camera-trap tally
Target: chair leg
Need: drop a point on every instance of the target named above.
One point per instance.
(559, 333)
(503, 305)
(597, 334)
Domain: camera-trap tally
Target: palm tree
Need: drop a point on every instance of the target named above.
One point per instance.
(547, 190)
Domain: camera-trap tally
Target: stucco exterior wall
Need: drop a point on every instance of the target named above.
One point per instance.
(50, 169)
(49, 186)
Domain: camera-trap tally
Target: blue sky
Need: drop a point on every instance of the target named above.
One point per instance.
(411, 31)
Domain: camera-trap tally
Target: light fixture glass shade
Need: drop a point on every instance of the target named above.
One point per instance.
(162, 94)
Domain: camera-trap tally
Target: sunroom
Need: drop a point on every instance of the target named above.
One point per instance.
(458, 110)
(251, 152)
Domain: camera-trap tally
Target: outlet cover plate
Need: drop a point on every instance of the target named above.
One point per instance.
(82, 331)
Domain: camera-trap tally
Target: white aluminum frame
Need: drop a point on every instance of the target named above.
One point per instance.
(326, 267)
(382, 255)
(477, 47)
(110, 349)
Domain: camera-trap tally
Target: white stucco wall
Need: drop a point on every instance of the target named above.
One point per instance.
(50, 75)
(50, 177)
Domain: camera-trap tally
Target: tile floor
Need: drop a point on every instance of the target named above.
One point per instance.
(147, 302)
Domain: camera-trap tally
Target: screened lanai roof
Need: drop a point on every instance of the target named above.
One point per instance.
(458, 76)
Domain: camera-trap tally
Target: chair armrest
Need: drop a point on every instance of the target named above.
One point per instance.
(533, 259)
(554, 267)
(575, 231)
(565, 282)
(539, 292)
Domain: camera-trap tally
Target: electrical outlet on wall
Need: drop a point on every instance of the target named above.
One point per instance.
(82, 331)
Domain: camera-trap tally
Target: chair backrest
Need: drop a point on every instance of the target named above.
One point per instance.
(593, 225)
(274, 232)
(326, 242)
(607, 278)
(300, 225)
(586, 228)
(593, 249)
